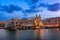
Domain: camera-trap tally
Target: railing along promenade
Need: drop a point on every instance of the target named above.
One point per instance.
(30, 27)
(34, 27)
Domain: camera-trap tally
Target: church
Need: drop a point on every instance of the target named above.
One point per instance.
(38, 22)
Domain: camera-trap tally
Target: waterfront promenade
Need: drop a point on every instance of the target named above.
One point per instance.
(31, 28)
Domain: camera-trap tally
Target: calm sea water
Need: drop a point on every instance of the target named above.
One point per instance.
(42, 34)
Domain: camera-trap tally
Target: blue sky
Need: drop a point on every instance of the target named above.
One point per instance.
(29, 8)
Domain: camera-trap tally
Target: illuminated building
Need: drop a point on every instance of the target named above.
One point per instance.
(13, 23)
(38, 22)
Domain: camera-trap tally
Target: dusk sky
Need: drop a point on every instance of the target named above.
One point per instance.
(29, 8)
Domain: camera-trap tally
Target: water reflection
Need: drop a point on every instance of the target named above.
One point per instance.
(42, 34)
(3, 34)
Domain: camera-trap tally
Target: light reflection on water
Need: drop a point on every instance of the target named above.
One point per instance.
(43, 34)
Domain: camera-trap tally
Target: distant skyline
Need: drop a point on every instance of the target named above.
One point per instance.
(29, 8)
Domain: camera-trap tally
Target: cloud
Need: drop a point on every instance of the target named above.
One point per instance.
(7, 16)
(34, 1)
(30, 11)
(30, 2)
(50, 7)
(32, 8)
(10, 8)
(54, 7)
(43, 5)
